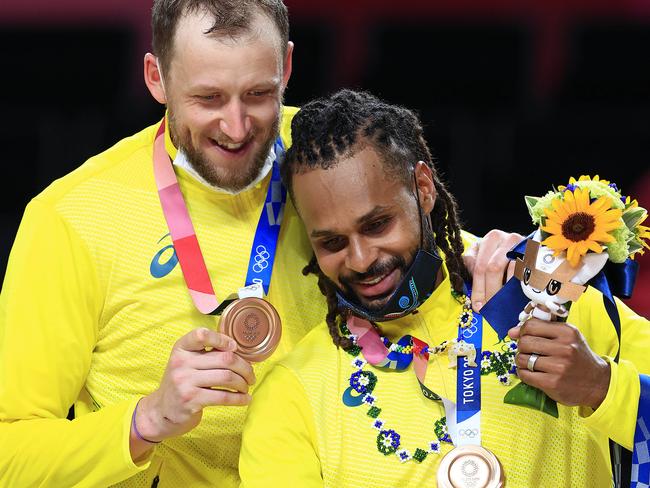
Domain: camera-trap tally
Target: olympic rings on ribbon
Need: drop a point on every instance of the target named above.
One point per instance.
(471, 433)
(261, 259)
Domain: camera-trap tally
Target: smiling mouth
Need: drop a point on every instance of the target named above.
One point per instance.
(373, 281)
(377, 287)
(231, 147)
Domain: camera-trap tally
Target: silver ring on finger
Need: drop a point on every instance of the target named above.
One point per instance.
(532, 359)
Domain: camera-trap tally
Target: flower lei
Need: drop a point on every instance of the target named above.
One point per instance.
(388, 440)
(364, 382)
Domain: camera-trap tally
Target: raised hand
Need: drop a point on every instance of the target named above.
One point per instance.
(203, 370)
(487, 262)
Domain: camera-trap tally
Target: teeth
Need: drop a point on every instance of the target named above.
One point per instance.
(231, 145)
(374, 281)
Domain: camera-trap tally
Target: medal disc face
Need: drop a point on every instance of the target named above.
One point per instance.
(255, 325)
(470, 467)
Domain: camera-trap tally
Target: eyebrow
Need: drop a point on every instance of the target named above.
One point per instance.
(378, 210)
(272, 83)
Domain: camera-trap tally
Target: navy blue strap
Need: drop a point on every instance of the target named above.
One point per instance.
(502, 310)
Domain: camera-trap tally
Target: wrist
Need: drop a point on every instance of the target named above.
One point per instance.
(602, 387)
(142, 425)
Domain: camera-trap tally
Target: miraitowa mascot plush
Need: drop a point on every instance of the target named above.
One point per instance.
(550, 282)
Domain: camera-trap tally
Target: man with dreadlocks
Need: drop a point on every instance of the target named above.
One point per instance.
(387, 253)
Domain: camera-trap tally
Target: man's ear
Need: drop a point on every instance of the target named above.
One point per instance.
(288, 64)
(426, 189)
(153, 78)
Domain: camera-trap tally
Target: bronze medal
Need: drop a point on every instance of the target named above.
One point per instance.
(255, 325)
(470, 467)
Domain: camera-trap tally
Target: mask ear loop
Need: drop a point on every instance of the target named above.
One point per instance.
(417, 201)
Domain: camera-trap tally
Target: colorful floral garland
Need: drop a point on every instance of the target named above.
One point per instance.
(364, 383)
(388, 440)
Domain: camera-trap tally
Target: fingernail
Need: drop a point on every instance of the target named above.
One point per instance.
(478, 305)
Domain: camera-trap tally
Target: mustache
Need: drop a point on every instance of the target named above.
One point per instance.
(378, 268)
(222, 139)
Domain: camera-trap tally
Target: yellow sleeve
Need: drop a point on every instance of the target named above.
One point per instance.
(617, 415)
(285, 127)
(49, 309)
(279, 439)
(468, 239)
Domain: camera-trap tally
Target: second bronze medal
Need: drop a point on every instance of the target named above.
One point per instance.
(470, 466)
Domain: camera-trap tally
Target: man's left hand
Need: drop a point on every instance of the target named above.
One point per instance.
(486, 260)
(567, 370)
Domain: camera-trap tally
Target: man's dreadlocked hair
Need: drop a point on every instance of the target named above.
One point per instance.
(329, 129)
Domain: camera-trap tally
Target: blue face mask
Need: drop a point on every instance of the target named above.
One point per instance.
(415, 287)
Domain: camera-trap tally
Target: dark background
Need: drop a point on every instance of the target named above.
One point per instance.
(516, 96)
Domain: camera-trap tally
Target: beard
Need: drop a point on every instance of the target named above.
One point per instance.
(230, 179)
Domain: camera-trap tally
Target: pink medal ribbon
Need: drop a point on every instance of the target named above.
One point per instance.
(181, 229)
(186, 244)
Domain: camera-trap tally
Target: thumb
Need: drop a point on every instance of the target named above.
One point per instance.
(515, 332)
(202, 338)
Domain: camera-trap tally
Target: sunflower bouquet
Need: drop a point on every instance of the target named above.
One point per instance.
(580, 227)
(590, 215)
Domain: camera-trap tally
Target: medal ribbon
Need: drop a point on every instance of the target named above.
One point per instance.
(265, 242)
(376, 353)
(468, 388)
(186, 244)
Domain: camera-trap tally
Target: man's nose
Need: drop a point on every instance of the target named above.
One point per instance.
(360, 255)
(235, 122)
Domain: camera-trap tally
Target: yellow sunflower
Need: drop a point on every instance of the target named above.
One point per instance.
(642, 234)
(573, 181)
(577, 225)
